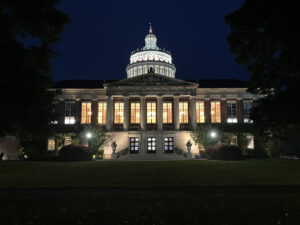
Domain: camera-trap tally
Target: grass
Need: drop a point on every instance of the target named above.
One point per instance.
(148, 173)
(160, 203)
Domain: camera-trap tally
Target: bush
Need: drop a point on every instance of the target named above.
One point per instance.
(224, 152)
(75, 152)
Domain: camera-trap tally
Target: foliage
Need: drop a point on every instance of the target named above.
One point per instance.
(201, 136)
(224, 152)
(99, 137)
(264, 39)
(28, 29)
(75, 153)
(242, 142)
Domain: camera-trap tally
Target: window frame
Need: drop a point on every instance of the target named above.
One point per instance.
(134, 145)
(88, 116)
(169, 144)
(167, 112)
(151, 118)
(183, 112)
(119, 113)
(102, 109)
(150, 144)
(135, 112)
(69, 112)
(215, 112)
(199, 111)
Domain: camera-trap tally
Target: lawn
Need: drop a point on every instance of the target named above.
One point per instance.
(148, 173)
(150, 192)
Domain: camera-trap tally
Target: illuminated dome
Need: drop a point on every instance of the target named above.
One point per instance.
(150, 56)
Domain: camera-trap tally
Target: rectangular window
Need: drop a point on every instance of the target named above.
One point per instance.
(135, 112)
(200, 112)
(68, 141)
(69, 112)
(215, 112)
(134, 145)
(247, 105)
(183, 112)
(231, 112)
(119, 112)
(151, 112)
(167, 112)
(169, 144)
(250, 142)
(51, 144)
(234, 141)
(101, 112)
(151, 144)
(86, 112)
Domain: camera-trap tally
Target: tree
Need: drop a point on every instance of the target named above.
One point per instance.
(202, 136)
(28, 29)
(264, 37)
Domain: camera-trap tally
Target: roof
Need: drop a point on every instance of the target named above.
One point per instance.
(203, 83)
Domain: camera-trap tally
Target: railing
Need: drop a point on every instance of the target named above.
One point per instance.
(122, 152)
(180, 152)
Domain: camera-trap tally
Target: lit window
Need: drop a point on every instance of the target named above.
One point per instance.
(134, 145)
(234, 141)
(247, 105)
(101, 112)
(135, 112)
(250, 142)
(119, 112)
(200, 112)
(151, 145)
(86, 112)
(167, 112)
(169, 144)
(231, 112)
(69, 112)
(183, 112)
(51, 144)
(68, 141)
(215, 112)
(151, 112)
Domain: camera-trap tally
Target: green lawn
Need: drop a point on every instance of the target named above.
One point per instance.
(148, 173)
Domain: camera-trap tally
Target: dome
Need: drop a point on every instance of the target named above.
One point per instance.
(150, 56)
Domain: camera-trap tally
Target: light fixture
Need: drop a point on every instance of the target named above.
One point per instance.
(88, 135)
(213, 134)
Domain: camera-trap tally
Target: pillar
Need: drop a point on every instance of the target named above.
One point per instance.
(176, 113)
(143, 113)
(159, 113)
(109, 113)
(192, 112)
(126, 113)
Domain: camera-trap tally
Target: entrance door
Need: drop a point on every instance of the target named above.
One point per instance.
(151, 145)
(134, 145)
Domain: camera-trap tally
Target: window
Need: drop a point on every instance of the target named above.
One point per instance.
(51, 144)
(215, 112)
(134, 145)
(119, 112)
(200, 112)
(250, 142)
(234, 141)
(151, 144)
(68, 141)
(69, 112)
(86, 112)
(231, 112)
(183, 112)
(135, 112)
(167, 112)
(151, 112)
(169, 144)
(101, 112)
(247, 105)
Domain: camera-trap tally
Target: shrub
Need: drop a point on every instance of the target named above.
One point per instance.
(224, 152)
(75, 152)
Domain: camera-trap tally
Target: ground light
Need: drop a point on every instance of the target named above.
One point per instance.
(88, 135)
(213, 134)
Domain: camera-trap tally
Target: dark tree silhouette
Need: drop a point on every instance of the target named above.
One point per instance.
(265, 37)
(27, 31)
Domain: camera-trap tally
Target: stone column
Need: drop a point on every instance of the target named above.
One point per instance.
(126, 113)
(109, 113)
(143, 113)
(94, 112)
(159, 113)
(239, 110)
(207, 109)
(176, 113)
(192, 112)
(61, 111)
(223, 111)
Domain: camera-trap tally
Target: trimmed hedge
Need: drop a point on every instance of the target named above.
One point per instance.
(224, 152)
(75, 152)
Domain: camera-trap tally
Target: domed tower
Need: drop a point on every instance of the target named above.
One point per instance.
(150, 57)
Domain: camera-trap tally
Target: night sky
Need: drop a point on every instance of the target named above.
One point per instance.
(98, 41)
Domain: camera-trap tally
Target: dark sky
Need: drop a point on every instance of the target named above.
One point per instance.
(98, 41)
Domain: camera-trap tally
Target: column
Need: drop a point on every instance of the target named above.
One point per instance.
(223, 111)
(126, 113)
(94, 119)
(176, 113)
(239, 110)
(61, 111)
(109, 113)
(143, 113)
(192, 112)
(207, 109)
(159, 113)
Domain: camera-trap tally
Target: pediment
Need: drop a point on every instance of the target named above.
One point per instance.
(151, 79)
